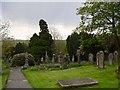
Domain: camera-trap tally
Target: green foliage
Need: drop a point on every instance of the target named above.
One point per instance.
(72, 44)
(41, 43)
(19, 59)
(103, 17)
(20, 48)
(7, 48)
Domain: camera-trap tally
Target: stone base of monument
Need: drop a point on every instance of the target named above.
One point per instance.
(77, 82)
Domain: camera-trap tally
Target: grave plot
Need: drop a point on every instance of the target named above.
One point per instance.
(77, 82)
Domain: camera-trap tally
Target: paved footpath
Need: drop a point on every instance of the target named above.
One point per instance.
(16, 79)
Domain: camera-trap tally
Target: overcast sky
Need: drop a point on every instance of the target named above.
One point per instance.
(24, 17)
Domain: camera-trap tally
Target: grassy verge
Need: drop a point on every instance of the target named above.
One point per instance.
(5, 74)
(107, 78)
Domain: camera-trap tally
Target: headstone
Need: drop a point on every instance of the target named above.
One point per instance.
(110, 57)
(46, 57)
(42, 67)
(42, 59)
(59, 59)
(78, 55)
(73, 59)
(90, 57)
(100, 58)
(97, 57)
(65, 62)
(53, 58)
(115, 56)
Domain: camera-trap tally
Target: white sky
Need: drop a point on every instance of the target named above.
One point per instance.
(24, 17)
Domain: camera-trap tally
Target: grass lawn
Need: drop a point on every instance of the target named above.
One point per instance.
(107, 78)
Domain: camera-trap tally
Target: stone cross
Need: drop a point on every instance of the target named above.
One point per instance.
(110, 57)
(100, 59)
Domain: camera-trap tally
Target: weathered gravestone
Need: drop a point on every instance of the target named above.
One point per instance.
(115, 56)
(100, 59)
(110, 57)
(46, 57)
(76, 82)
(90, 57)
(64, 62)
(26, 59)
(53, 58)
(73, 59)
(42, 67)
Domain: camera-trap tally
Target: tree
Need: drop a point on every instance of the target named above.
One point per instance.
(41, 43)
(20, 48)
(101, 16)
(4, 30)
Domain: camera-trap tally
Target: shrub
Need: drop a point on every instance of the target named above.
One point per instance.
(19, 59)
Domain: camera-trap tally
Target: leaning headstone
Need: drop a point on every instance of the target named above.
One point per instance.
(101, 59)
(90, 57)
(110, 57)
(115, 56)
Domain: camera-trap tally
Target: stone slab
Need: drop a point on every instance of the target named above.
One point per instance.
(77, 82)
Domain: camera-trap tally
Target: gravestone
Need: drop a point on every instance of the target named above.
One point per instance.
(97, 57)
(110, 57)
(78, 55)
(100, 59)
(53, 58)
(59, 58)
(42, 67)
(115, 56)
(64, 62)
(76, 82)
(73, 59)
(46, 57)
(42, 59)
(90, 57)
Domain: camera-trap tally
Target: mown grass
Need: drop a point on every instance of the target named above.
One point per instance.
(107, 78)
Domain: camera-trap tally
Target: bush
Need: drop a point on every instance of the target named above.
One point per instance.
(19, 59)
(34, 68)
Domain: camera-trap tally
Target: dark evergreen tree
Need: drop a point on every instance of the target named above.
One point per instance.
(72, 44)
(41, 43)
(20, 48)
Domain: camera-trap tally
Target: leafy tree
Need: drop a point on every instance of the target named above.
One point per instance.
(20, 48)
(103, 17)
(41, 43)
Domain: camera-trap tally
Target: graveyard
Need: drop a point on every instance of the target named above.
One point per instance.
(106, 78)
(87, 57)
